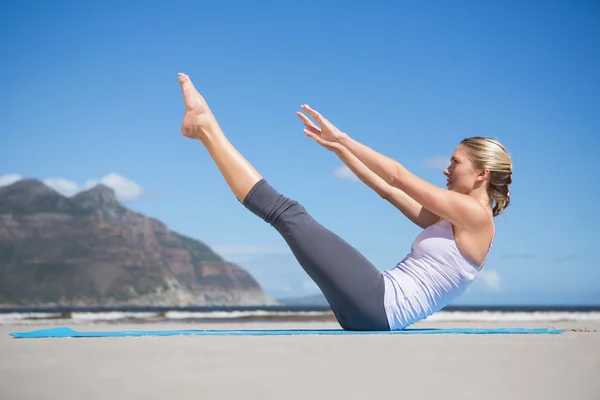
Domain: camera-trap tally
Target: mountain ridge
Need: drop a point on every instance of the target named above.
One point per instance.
(90, 250)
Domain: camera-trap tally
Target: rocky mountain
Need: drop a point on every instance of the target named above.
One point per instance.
(90, 250)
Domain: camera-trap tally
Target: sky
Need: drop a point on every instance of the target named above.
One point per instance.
(90, 94)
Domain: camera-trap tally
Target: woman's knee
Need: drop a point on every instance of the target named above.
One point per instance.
(290, 215)
(272, 206)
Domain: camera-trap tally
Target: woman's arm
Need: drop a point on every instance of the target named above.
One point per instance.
(461, 210)
(384, 166)
(416, 213)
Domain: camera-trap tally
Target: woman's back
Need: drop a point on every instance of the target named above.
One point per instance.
(433, 274)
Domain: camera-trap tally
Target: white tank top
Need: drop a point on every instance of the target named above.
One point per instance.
(433, 274)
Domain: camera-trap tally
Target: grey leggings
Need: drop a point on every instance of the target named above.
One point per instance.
(353, 287)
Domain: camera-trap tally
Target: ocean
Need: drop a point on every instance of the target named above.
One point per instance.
(92, 315)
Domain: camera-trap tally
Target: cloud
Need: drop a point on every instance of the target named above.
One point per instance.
(439, 163)
(491, 280)
(344, 172)
(310, 286)
(125, 189)
(274, 267)
(565, 258)
(528, 256)
(63, 186)
(6, 180)
(518, 256)
(240, 253)
(245, 249)
(487, 281)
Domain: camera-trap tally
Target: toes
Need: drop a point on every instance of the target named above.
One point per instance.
(182, 77)
(185, 82)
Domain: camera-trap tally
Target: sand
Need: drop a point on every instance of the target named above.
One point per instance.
(303, 367)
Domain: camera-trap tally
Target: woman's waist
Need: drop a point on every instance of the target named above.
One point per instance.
(422, 276)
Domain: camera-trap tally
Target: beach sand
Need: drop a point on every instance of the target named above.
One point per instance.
(303, 367)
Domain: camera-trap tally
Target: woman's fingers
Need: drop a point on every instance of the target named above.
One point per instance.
(307, 122)
(314, 130)
(312, 135)
(325, 143)
(314, 113)
(309, 132)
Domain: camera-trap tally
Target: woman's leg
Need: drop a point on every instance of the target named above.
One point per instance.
(353, 287)
(199, 123)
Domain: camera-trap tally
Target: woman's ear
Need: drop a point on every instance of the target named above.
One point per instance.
(483, 175)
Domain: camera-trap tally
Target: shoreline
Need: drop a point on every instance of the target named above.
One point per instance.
(5, 308)
(218, 316)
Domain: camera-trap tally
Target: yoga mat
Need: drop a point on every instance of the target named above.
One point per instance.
(65, 332)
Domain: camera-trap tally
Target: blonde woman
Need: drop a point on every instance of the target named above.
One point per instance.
(458, 228)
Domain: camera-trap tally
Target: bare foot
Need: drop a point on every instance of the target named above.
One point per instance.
(198, 121)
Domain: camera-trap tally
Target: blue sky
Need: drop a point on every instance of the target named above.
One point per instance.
(89, 93)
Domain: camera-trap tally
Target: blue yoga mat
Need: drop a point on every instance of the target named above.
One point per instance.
(65, 332)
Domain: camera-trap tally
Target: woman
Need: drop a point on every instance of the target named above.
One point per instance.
(445, 257)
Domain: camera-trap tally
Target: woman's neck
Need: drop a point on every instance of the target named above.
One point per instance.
(481, 195)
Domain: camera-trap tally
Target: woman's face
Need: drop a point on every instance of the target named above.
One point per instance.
(461, 174)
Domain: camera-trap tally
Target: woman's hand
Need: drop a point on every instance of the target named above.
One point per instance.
(326, 134)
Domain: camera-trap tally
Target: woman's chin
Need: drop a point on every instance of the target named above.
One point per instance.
(453, 188)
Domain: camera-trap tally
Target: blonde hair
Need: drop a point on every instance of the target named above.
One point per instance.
(488, 153)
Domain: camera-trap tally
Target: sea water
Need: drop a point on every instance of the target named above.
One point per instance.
(83, 316)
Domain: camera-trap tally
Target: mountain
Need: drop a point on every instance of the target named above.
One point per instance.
(90, 250)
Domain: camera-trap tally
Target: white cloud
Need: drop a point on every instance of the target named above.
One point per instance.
(439, 163)
(286, 288)
(243, 251)
(273, 266)
(344, 172)
(125, 189)
(63, 186)
(491, 280)
(310, 286)
(6, 180)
